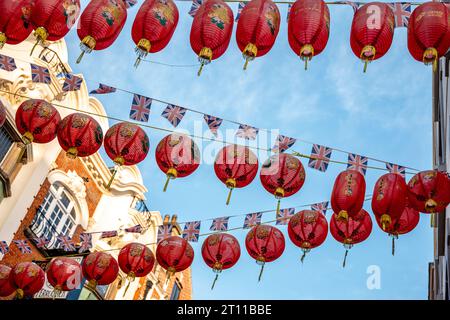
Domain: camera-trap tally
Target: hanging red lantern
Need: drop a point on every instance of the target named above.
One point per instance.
(407, 221)
(100, 268)
(6, 289)
(308, 28)
(257, 29)
(37, 121)
(64, 274)
(264, 243)
(220, 251)
(429, 191)
(174, 254)
(100, 25)
(27, 278)
(177, 156)
(79, 135)
(153, 27)
(349, 232)
(15, 24)
(389, 198)
(307, 229)
(236, 166)
(372, 31)
(282, 175)
(125, 144)
(211, 31)
(53, 19)
(3, 114)
(136, 260)
(428, 32)
(347, 197)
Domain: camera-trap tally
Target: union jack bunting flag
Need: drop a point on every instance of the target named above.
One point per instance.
(174, 114)
(4, 248)
(103, 89)
(213, 123)
(247, 132)
(288, 12)
(72, 83)
(252, 219)
(40, 242)
(140, 108)
(283, 143)
(134, 229)
(194, 7)
(40, 74)
(402, 12)
(321, 207)
(7, 63)
(191, 231)
(220, 224)
(284, 215)
(23, 246)
(241, 6)
(86, 242)
(66, 243)
(164, 231)
(320, 157)
(130, 3)
(395, 168)
(357, 162)
(108, 234)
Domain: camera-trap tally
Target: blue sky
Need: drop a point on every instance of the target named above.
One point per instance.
(385, 114)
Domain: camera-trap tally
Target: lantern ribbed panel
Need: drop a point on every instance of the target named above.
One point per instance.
(282, 171)
(366, 32)
(174, 254)
(2, 114)
(15, 20)
(352, 231)
(100, 267)
(429, 191)
(127, 143)
(236, 162)
(308, 229)
(155, 21)
(136, 260)
(348, 192)
(258, 24)
(64, 273)
(221, 251)
(428, 28)
(389, 196)
(102, 20)
(6, 289)
(56, 16)
(28, 277)
(309, 23)
(212, 28)
(407, 221)
(265, 243)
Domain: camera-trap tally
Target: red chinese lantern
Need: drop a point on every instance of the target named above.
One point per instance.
(154, 26)
(3, 114)
(136, 260)
(257, 29)
(429, 191)
(15, 24)
(211, 31)
(307, 229)
(177, 156)
(174, 254)
(37, 121)
(52, 19)
(27, 278)
(372, 31)
(349, 232)
(125, 144)
(308, 28)
(428, 32)
(407, 221)
(6, 289)
(79, 135)
(64, 274)
(100, 268)
(236, 166)
(282, 175)
(264, 243)
(100, 25)
(347, 197)
(389, 198)
(220, 251)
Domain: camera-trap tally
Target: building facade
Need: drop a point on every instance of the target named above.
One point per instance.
(43, 193)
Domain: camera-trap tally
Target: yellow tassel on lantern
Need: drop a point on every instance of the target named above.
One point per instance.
(172, 173)
(41, 34)
(279, 193)
(306, 54)
(430, 56)
(249, 53)
(231, 184)
(87, 45)
(204, 57)
(367, 55)
(385, 221)
(3, 39)
(430, 205)
(20, 294)
(342, 215)
(142, 49)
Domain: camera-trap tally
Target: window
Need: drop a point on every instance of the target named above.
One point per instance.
(9, 156)
(56, 216)
(6, 142)
(175, 295)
